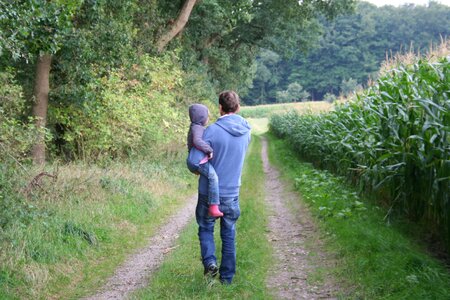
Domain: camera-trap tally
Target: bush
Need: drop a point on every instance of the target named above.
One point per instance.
(329, 97)
(134, 112)
(16, 138)
(16, 135)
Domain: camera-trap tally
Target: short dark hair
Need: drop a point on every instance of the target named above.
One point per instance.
(230, 101)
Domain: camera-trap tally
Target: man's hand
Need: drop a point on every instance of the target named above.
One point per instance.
(210, 156)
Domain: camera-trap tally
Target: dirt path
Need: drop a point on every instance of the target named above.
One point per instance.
(137, 269)
(290, 228)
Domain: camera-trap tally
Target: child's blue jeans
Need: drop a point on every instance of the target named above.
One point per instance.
(208, 171)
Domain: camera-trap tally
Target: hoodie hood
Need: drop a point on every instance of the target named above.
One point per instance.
(234, 124)
(198, 113)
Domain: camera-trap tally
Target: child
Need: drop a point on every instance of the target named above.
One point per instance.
(199, 154)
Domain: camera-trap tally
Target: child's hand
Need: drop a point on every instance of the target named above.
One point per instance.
(210, 156)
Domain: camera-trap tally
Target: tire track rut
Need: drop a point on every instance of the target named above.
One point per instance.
(138, 268)
(290, 227)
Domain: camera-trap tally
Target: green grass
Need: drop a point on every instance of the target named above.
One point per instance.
(78, 229)
(259, 126)
(267, 110)
(374, 260)
(181, 275)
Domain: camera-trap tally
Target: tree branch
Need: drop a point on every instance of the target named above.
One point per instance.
(177, 26)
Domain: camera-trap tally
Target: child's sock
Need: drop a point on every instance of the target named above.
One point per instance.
(214, 211)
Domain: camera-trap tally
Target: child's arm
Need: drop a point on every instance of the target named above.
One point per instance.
(199, 143)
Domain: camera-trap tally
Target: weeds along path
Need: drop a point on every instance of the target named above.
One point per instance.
(290, 228)
(137, 269)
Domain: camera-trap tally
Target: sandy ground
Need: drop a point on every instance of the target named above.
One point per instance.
(137, 269)
(290, 227)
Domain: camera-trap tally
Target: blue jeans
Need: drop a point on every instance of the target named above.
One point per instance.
(208, 171)
(231, 212)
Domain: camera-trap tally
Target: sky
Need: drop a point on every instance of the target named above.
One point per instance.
(400, 2)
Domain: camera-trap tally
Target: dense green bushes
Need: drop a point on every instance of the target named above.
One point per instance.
(16, 135)
(131, 111)
(394, 140)
(134, 111)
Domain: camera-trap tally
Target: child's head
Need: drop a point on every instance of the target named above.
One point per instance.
(229, 102)
(199, 114)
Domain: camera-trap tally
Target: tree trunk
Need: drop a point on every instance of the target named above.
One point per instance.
(177, 26)
(40, 106)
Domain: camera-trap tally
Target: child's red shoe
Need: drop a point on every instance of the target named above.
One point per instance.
(214, 211)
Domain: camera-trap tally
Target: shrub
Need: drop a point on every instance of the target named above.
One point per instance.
(16, 138)
(134, 112)
(16, 135)
(329, 97)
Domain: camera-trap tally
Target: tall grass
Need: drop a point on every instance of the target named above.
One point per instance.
(72, 231)
(394, 141)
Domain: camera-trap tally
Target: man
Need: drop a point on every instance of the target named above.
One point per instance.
(229, 137)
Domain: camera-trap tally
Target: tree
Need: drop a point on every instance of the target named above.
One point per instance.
(219, 42)
(267, 77)
(348, 86)
(224, 36)
(40, 107)
(177, 25)
(293, 93)
(330, 98)
(353, 46)
(35, 30)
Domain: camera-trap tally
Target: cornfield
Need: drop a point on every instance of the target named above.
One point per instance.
(393, 141)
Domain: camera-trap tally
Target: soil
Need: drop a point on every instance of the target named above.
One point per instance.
(294, 239)
(137, 269)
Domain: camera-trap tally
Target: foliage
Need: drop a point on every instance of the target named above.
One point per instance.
(95, 44)
(267, 77)
(29, 28)
(348, 87)
(224, 36)
(294, 93)
(79, 227)
(16, 135)
(103, 39)
(330, 98)
(373, 260)
(133, 113)
(351, 46)
(394, 141)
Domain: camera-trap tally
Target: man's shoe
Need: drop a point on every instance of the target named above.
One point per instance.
(212, 270)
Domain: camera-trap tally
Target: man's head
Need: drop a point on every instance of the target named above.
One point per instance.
(229, 102)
